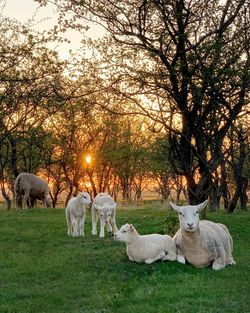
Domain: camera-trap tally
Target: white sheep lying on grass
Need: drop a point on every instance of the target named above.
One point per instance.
(76, 212)
(104, 206)
(146, 248)
(202, 243)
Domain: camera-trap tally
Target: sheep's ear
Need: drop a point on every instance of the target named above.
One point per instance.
(174, 206)
(200, 207)
(131, 227)
(113, 206)
(98, 207)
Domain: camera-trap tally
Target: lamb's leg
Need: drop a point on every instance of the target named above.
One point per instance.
(159, 256)
(113, 221)
(94, 220)
(44, 202)
(74, 226)
(170, 256)
(68, 223)
(81, 222)
(32, 202)
(25, 199)
(102, 228)
(18, 201)
(109, 228)
(220, 261)
(180, 258)
(218, 266)
(231, 261)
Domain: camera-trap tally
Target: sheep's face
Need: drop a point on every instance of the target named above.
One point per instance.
(189, 215)
(105, 212)
(85, 198)
(125, 233)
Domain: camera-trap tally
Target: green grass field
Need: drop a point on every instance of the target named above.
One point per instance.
(43, 270)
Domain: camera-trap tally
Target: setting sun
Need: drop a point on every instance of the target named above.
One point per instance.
(88, 158)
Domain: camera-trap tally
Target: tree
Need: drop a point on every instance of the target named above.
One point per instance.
(163, 171)
(127, 152)
(32, 89)
(234, 170)
(30, 78)
(192, 54)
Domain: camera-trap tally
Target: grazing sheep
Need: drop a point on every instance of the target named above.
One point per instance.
(202, 243)
(75, 214)
(28, 188)
(147, 248)
(104, 206)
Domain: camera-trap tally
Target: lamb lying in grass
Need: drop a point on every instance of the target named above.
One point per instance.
(202, 243)
(76, 212)
(105, 207)
(147, 248)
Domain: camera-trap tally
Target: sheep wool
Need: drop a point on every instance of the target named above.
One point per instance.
(146, 248)
(104, 207)
(76, 213)
(202, 243)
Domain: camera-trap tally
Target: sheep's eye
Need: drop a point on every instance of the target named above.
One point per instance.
(124, 231)
(197, 212)
(180, 213)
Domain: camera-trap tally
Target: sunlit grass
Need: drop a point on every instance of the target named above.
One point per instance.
(43, 270)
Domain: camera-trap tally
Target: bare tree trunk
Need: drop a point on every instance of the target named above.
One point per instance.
(6, 197)
(93, 186)
(243, 195)
(54, 197)
(215, 195)
(69, 194)
(237, 165)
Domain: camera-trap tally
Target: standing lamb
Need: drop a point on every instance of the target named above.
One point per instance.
(29, 188)
(202, 243)
(76, 213)
(147, 248)
(104, 206)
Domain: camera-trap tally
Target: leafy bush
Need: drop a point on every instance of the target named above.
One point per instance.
(171, 223)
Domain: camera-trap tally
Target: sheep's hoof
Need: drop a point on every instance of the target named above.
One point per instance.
(217, 266)
(162, 255)
(149, 261)
(231, 262)
(94, 233)
(180, 259)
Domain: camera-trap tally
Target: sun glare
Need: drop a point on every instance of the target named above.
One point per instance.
(88, 159)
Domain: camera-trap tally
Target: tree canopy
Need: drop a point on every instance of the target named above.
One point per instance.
(182, 66)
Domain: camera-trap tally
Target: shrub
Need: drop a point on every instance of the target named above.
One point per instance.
(171, 223)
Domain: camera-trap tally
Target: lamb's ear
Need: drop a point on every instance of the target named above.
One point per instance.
(131, 228)
(200, 207)
(174, 206)
(114, 206)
